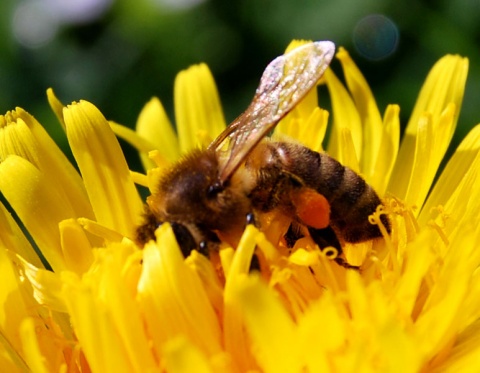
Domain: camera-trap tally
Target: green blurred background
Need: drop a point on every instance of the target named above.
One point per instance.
(120, 53)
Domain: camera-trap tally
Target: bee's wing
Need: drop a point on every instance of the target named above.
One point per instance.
(285, 81)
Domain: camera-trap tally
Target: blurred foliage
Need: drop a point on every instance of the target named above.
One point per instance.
(127, 51)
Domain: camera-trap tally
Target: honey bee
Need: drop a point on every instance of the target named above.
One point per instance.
(208, 194)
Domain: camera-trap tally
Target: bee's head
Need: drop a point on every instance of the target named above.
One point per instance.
(191, 192)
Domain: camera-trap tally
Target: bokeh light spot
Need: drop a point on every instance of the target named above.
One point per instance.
(34, 25)
(176, 5)
(375, 37)
(78, 11)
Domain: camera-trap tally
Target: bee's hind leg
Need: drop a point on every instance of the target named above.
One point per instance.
(326, 237)
(255, 262)
(293, 234)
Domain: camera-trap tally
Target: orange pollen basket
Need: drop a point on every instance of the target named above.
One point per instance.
(312, 208)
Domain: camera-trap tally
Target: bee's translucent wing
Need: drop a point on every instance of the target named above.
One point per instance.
(285, 81)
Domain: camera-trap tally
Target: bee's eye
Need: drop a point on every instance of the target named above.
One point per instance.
(214, 189)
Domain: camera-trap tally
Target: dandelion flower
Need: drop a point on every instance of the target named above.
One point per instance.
(79, 295)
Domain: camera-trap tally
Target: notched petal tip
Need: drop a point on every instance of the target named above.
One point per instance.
(197, 106)
(345, 116)
(443, 87)
(445, 83)
(296, 43)
(368, 110)
(153, 125)
(105, 172)
(56, 106)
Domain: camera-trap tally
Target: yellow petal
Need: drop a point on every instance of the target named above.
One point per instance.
(465, 354)
(38, 204)
(288, 127)
(143, 145)
(105, 313)
(76, 247)
(236, 342)
(204, 268)
(270, 252)
(345, 116)
(226, 258)
(289, 283)
(10, 360)
(197, 107)
(294, 44)
(309, 129)
(269, 325)
(94, 328)
(443, 314)
(399, 352)
(173, 299)
(160, 162)
(22, 135)
(49, 334)
(445, 84)
(36, 361)
(456, 180)
(346, 149)
(303, 257)
(15, 307)
(183, 357)
(319, 348)
(139, 178)
(244, 252)
(389, 144)
(100, 231)
(56, 105)
(312, 132)
(423, 162)
(154, 126)
(110, 188)
(12, 238)
(471, 305)
(46, 284)
(355, 254)
(419, 256)
(432, 142)
(358, 299)
(368, 111)
(377, 337)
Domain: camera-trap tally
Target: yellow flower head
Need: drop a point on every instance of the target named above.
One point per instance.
(79, 295)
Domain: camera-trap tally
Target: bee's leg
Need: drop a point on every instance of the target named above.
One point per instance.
(255, 262)
(327, 237)
(187, 240)
(342, 262)
(209, 244)
(184, 238)
(146, 231)
(292, 235)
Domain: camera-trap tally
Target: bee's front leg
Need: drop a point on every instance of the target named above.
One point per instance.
(190, 237)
